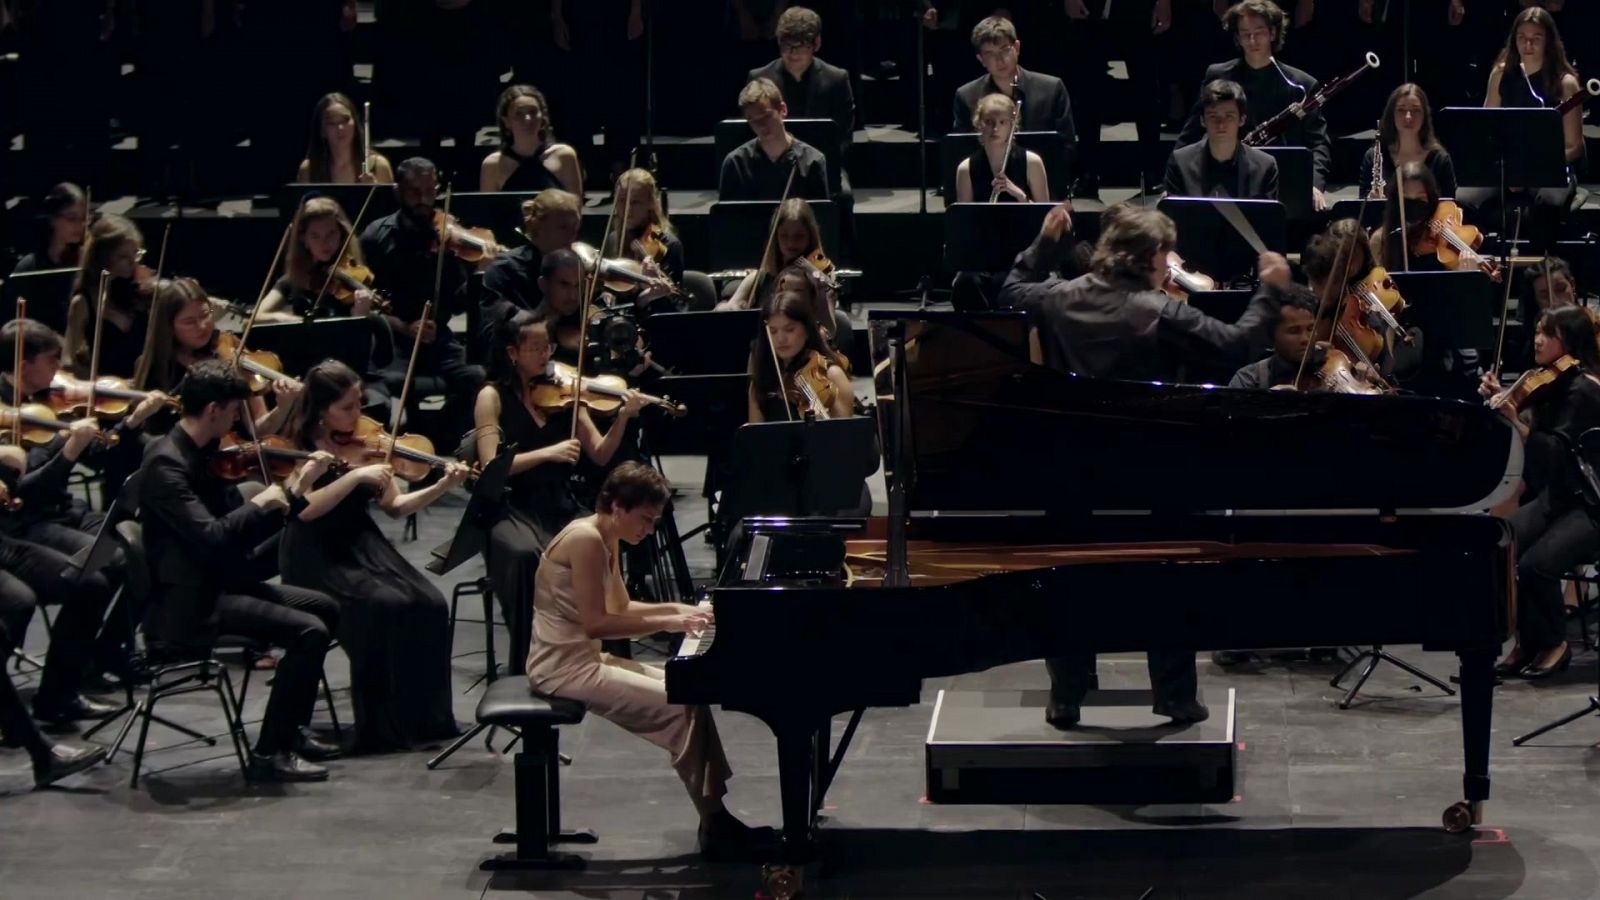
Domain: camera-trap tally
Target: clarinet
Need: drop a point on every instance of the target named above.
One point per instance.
(1379, 186)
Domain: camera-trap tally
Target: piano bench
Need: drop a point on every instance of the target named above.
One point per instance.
(511, 703)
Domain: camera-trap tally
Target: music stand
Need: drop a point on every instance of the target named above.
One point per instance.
(1457, 313)
(49, 291)
(1050, 145)
(301, 345)
(350, 198)
(729, 134)
(1501, 148)
(739, 230)
(811, 468)
(498, 211)
(986, 237)
(1211, 244)
(706, 342)
(1371, 216)
(716, 406)
(1294, 180)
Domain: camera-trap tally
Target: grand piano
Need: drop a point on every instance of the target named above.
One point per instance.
(1033, 512)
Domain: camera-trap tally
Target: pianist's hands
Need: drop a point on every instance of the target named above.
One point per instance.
(689, 619)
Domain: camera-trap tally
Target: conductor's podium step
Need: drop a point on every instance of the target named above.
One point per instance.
(996, 747)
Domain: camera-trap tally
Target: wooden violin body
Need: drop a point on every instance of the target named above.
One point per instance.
(602, 394)
(1447, 236)
(472, 245)
(811, 392)
(238, 460)
(1181, 281)
(261, 367)
(113, 397)
(33, 424)
(1337, 374)
(1531, 386)
(412, 457)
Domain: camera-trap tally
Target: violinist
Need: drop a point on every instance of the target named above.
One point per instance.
(1344, 240)
(114, 246)
(1296, 323)
(209, 579)
(797, 240)
(1548, 285)
(1000, 164)
(393, 622)
(1405, 135)
(1554, 530)
(1222, 166)
(760, 168)
(66, 213)
(538, 501)
(794, 340)
(529, 158)
(338, 153)
(550, 221)
(648, 235)
(1421, 196)
(319, 231)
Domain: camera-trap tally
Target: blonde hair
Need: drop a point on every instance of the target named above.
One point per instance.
(991, 103)
(298, 266)
(794, 209)
(543, 204)
(762, 90)
(638, 178)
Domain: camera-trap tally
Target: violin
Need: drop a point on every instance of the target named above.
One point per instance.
(1380, 298)
(412, 459)
(473, 245)
(261, 367)
(649, 245)
(821, 268)
(33, 424)
(238, 460)
(1454, 242)
(347, 279)
(1532, 386)
(811, 393)
(627, 277)
(603, 394)
(112, 396)
(1181, 281)
(1336, 374)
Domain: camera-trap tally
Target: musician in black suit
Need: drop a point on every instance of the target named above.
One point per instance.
(811, 87)
(1258, 28)
(1045, 104)
(1220, 166)
(760, 168)
(1115, 322)
(209, 578)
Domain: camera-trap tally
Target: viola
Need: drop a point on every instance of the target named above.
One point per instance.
(238, 460)
(261, 367)
(649, 245)
(33, 424)
(602, 394)
(413, 457)
(473, 245)
(811, 392)
(821, 268)
(1447, 236)
(1336, 374)
(1533, 385)
(1380, 299)
(1181, 281)
(348, 279)
(112, 396)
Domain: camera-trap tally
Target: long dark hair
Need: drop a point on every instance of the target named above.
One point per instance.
(157, 368)
(1574, 327)
(1552, 267)
(508, 335)
(1548, 79)
(1393, 253)
(318, 153)
(797, 307)
(1389, 133)
(325, 383)
(503, 106)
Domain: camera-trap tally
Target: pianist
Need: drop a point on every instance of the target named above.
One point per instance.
(1115, 322)
(579, 599)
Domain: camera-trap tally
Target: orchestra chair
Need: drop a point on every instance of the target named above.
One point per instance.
(480, 587)
(512, 704)
(1583, 449)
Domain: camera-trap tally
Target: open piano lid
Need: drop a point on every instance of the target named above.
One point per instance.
(990, 431)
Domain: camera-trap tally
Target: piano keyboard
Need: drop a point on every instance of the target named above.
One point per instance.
(696, 644)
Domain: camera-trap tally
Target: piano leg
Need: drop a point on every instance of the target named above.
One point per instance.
(1477, 707)
(797, 745)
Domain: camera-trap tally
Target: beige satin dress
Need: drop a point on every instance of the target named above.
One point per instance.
(565, 662)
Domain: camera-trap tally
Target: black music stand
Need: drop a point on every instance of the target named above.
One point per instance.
(1050, 145)
(706, 342)
(1457, 313)
(1371, 216)
(48, 291)
(986, 237)
(729, 134)
(302, 345)
(1294, 180)
(1498, 147)
(498, 211)
(739, 230)
(716, 405)
(1211, 244)
(806, 468)
(350, 197)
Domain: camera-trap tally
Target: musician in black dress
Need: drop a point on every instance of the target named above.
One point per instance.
(338, 151)
(793, 340)
(1258, 28)
(1406, 135)
(393, 622)
(1420, 195)
(1555, 529)
(1220, 165)
(1115, 322)
(1019, 177)
(66, 213)
(529, 158)
(538, 501)
(1045, 104)
(115, 246)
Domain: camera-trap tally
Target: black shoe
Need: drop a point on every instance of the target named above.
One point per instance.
(316, 749)
(64, 760)
(1182, 712)
(79, 707)
(723, 838)
(1063, 715)
(101, 683)
(1512, 668)
(284, 767)
(1227, 658)
(1534, 673)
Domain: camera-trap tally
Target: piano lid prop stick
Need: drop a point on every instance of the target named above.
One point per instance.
(249, 323)
(1505, 302)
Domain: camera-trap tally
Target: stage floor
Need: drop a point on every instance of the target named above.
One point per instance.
(1331, 804)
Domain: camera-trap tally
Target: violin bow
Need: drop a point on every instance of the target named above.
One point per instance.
(1338, 279)
(772, 235)
(366, 142)
(1500, 339)
(405, 387)
(622, 233)
(777, 374)
(343, 249)
(99, 332)
(266, 283)
(444, 241)
(16, 364)
(583, 330)
(1400, 201)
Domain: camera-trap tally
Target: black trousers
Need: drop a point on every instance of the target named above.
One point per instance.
(1172, 676)
(72, 533)
(1091, 44)
(446, 360)
(1551, 540)
(51, 578)
(300, 621)
(17, 602)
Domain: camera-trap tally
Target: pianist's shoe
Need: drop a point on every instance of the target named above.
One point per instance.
(723, 838)
(1063, 715)
(1182, 712)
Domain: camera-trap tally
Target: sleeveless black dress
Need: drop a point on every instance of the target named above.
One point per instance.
(981, 174)
(530, 173)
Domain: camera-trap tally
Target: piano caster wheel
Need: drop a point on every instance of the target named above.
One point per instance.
(781, 882)
(1462, 816)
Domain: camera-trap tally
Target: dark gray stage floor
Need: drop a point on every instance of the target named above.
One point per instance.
(1332, 804)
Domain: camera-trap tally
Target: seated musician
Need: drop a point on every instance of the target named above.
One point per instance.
(1548, 285)
(984, 172)
(201, 543)
(182, 333)
(1116, 322)
(794, 342)
(1406, 134)
(115, 246)
(538, 501)
(1344, 239)
(1532, 71)
(811, 88)
(1221, 166)
(66, 213)
(759, 169)
(1045, 104)
(1420, 195)
(651, 239)
(579, 599)
(316, 236)
(529, 158)
(402, 249)
(797, 238)
(511, 282)
(338, 152)
(1290, 339)
(1554, 528)
(393, 622)
(1258, 28)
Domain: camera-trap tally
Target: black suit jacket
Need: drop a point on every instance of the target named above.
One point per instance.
(1045, 104)
(198, 538)
(1256, 173)
(1268, 95)
(824, 93)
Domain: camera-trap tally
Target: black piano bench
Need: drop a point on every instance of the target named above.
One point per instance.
(510, 703)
